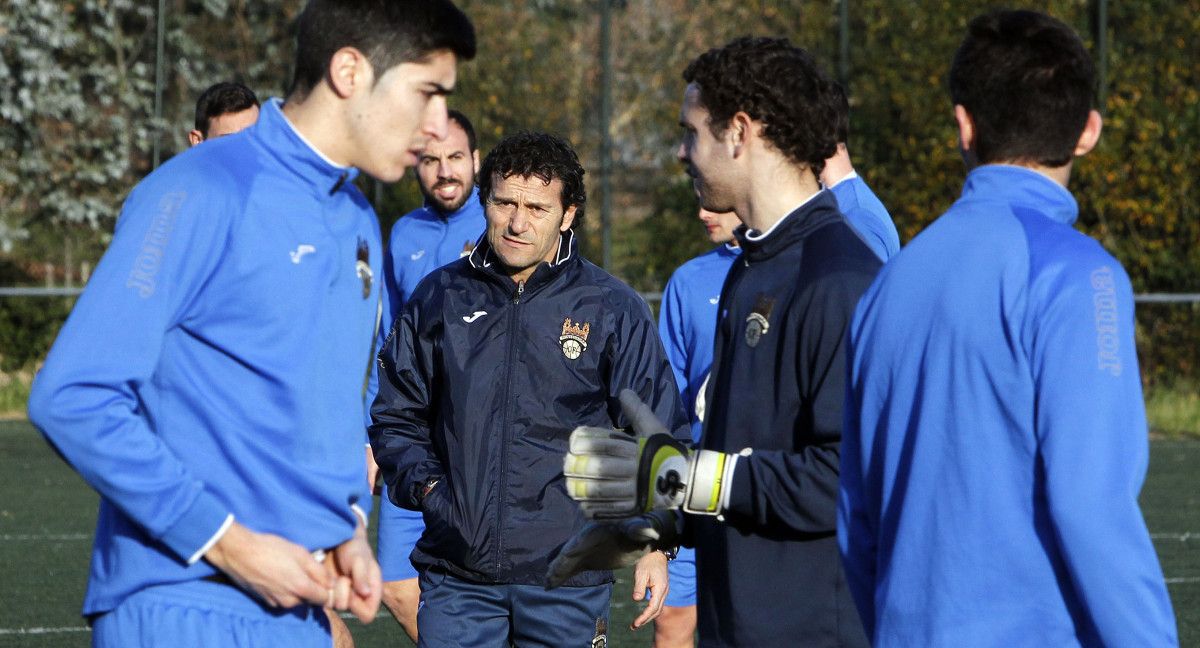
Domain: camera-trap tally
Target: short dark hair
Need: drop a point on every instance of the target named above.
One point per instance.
(542, 155)
(387, 32)
(776, 83)
(1028, 83)
(221, 99)
(461, 119)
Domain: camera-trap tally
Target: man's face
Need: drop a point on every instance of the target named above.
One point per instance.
(446, 170)
(393, 119)
(524, 219)
(719, 225)
(225, 124)
(703, 154)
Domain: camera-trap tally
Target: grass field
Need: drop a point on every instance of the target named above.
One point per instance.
(48, 515)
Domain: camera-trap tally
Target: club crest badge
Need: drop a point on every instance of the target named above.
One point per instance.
(363, 267)
(574, 338)
(758, 322)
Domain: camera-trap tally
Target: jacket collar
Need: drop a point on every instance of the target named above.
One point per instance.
(819, 210)
(282, 141)
(1021, 186)
(484, 260)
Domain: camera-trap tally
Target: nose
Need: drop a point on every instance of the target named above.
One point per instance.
(437, 122)
(444, 168)
(519, 222)
(681, 153)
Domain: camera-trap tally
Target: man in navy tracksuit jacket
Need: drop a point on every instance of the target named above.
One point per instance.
(995, 435)
(494, 359)
(761, 492)
(443, 230)
(208, 383)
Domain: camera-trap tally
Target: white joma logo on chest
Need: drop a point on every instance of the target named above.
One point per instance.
(300, 251)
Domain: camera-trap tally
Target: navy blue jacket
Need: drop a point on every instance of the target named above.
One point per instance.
(481, 383)
(770, 571)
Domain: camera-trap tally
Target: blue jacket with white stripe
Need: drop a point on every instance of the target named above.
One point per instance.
(214, 364)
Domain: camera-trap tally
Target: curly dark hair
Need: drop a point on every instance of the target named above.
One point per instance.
(776, 83)
(1028, 83)
(536, 154)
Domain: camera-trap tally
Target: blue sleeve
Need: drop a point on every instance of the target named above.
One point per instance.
(88, 398)
(672, 331)
(1093, 447)
(637, 361)
(856, 535)
(400, 431)
(389, 307)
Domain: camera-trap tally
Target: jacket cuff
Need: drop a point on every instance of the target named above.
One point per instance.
(741, 498)
(198, 528)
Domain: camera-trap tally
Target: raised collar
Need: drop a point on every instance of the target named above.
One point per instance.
(817, 211)
(484, 260)
(281, 140)
(1021, 186)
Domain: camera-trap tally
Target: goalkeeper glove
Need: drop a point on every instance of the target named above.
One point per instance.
(613, 545)
(615, 475)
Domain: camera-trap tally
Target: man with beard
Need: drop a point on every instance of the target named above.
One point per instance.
(425, 239)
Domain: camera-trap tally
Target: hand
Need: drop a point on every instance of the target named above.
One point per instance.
(650, 573)
(358, 586)
(372, 472)
(613, 474)
(278, 571)
(613, 545)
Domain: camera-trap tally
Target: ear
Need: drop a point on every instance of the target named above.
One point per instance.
(1090, 135)
(966, 128)
(568, 219)
(349, 71)
(195, 137)
(475, 156)
(739, 132)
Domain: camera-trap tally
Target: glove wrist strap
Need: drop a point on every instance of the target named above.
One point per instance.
(709, 482)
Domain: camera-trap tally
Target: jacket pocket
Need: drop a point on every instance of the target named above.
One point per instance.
(443, 538)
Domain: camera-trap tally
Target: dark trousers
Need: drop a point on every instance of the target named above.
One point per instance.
(457, 612)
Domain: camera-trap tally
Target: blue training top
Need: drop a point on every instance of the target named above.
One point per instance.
(214, 365)
(995, 438)
(687, 322)
(867, 216)
(424, 240)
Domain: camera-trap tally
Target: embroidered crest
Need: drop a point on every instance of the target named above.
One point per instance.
(363, 267)
(468, 247)
(601, 638)
(574, 338)
(758, 322)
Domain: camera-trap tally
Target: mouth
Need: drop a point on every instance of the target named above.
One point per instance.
(513, 242)
(447, 190)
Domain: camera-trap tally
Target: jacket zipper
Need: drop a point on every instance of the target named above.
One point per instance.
(504, 440)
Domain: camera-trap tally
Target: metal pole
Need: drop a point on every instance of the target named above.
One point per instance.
(161, 20)
(1101, 34)
(605, 135)
(844, 44)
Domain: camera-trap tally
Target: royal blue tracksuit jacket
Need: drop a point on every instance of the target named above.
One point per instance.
(995, 435)
(687, 322)
(769, 573)
(867, 215)
(482, 381)
(214, 364)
